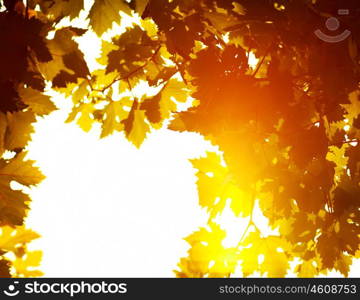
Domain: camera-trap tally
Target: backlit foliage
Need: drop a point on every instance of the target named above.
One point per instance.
(288, 127)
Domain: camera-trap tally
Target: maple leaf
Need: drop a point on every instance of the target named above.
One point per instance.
(19, 129)
(346, 195)
(81, 92)
(104, 12)
(207, 256)
(337, 155)
(307, 269)
(12, 101)
(114, 114)
(62, 8)
(133, 53)
(151, 106)
(5, 268)
(13, 205)
(160, 106)
(353, 153)
(175, 89)
(85, 120)
(343, 264)
(21, 170)
(12, 238)
(273, 249)
(216, 185)
(3, 127)
(24, 266)
(39, 103)
(68, 64)
(135, 127)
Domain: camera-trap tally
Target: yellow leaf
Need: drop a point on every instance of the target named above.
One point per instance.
(149, 26)
(61, 44)
(19, 129)
(306, 269)
(21, 171)
(114, 114)
(106, 48)
(207, 256)
(104, 12)
(175, 89)
(24, 265)
(337, 156)
(85, 120)
(343, 264)
(39, 103)
(216, 185)
(11, 238)
(139, 128)
(273, 250)
(81, 92)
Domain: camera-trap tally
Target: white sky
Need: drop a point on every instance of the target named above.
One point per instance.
(108, 209)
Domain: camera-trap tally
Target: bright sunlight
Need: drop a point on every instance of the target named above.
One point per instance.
(104, 196)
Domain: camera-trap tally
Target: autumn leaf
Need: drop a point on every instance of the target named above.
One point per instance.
(114, 114)
(175, 90)
(207, 256)
(22, 171)
(307, 269)
(274, 262)
(136, 127)
(85, 119)
(19, 129)
(3, 127)
(104, 12)
(11, 238)
(24, 266)
(39, 103)
(5, 268)
(80, 92)
(216, 185)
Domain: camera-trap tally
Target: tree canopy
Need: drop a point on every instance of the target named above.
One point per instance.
(288, 126)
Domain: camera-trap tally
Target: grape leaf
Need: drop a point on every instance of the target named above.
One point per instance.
(85, 120)
(104, 12)
(272, 248)
(207, 256)
(5, 268)
(114, 114)
(39, 103)
(12, 238)
(24, 266)
(19, 129)
(216, 185)
(3, 127)
(136, 127)
(307, 269)
(22, 171)
(13, 205)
